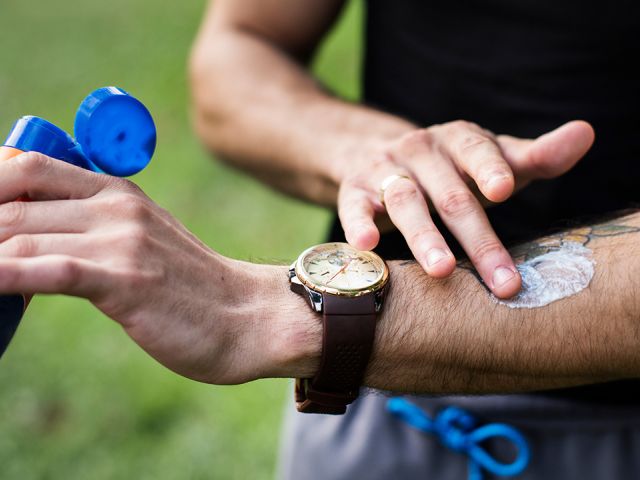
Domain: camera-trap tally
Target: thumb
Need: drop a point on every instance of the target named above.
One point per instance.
(550, 155)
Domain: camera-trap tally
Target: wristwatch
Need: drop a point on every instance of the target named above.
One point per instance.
(347, 287)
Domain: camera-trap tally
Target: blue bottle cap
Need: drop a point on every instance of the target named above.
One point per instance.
(35, 134)
(116, 132)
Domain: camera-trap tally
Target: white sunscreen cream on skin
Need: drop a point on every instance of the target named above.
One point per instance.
(552, 276)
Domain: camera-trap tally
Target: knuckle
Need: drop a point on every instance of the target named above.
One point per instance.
(20, 246)
(33, 163)
(401, 193)
(12, 214)
(381, 160)
(136, 243)
(137, 234)
(462, 125)
(137, 279)
(125, 205)
(485, 247)
(472, 141)
(119, 186)
(68, 274)
(415, 142)
(355, 181)
(136, 209)
(421, 234)
(133, 255)
(420, 136)
(457, 203)
(443, 132)
(115, 183)
(129, 186)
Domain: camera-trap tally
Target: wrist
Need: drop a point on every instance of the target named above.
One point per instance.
(289, 333)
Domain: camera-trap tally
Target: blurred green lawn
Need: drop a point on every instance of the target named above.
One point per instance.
(78, 400)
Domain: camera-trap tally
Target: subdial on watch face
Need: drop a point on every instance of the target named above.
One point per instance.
(341, 267)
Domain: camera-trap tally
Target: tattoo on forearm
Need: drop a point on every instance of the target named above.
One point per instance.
(581, 235)
(559, 265)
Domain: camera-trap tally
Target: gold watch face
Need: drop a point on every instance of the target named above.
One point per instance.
(340, 269)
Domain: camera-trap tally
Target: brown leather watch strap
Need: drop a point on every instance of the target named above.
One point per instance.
(348, 332)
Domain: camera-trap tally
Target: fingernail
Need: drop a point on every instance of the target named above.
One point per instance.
(502, 275)
(435, 255)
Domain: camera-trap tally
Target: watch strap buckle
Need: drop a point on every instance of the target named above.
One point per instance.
(312, 400)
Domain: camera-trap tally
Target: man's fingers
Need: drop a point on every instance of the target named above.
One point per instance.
(356, 214)
(79, 245)
(42, 178)
(551, 154)
(409, 212)
(468, 222)
(53, 274)
(478, 155)
(56, 216)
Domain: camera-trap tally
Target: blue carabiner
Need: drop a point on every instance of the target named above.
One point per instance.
(456, 430)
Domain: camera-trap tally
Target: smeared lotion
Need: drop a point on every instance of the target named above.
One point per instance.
(553, 276)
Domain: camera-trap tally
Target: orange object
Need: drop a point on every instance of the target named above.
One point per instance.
(8, 152)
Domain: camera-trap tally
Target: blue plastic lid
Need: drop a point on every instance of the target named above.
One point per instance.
(116, 132)
(35, 134)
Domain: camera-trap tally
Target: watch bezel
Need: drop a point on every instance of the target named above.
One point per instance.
(302, 275)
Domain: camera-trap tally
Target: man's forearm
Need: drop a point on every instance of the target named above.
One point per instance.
(260, 109)
(452, 336)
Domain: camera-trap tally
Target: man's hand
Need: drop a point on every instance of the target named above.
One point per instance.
(305, 142)
(101, 238)
(456, 168)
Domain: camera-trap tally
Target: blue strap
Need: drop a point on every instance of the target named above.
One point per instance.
(456, 430)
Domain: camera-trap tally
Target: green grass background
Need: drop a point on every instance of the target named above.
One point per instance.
(78, 400)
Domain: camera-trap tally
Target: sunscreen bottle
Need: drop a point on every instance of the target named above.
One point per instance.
(115, 134)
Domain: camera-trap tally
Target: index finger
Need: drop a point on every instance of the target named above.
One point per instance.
(43, 178)
(468, 222)
(55, 274)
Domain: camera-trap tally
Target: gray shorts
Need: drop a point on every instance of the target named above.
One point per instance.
(568, 440)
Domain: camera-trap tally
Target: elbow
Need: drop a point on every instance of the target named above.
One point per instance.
(200, 72)
(206, 110)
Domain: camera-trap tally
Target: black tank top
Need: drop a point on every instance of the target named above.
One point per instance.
(521, 67)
